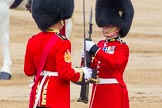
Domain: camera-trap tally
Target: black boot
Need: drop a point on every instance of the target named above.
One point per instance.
(5, 76)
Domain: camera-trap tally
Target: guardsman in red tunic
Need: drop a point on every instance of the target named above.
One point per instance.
(111, 54)
(52, 88)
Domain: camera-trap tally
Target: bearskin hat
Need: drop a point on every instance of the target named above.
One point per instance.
(49, 12)
(115, 12)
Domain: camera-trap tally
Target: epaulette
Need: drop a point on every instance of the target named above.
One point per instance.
(122, 42)
(61, 36)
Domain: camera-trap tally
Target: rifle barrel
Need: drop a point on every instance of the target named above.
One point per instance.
(85, 61)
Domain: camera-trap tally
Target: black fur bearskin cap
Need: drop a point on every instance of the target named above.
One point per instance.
(118, 13)
(49, 12)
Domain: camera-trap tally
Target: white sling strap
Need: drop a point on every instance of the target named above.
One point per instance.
(44, 74)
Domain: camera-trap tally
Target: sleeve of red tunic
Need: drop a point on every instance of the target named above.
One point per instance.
(118, 58)
(29, 67)
(63, 62)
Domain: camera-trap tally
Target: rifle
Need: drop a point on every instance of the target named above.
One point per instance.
(86, 61)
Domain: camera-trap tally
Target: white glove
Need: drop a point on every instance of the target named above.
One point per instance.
(87, 72)
(89, 45)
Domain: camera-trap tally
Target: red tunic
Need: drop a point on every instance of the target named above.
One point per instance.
(56, 89)
(110, 62)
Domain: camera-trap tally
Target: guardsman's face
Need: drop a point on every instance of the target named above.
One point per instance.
(110, 31)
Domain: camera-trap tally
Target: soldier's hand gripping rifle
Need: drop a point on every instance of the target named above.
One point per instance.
(86, 61)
